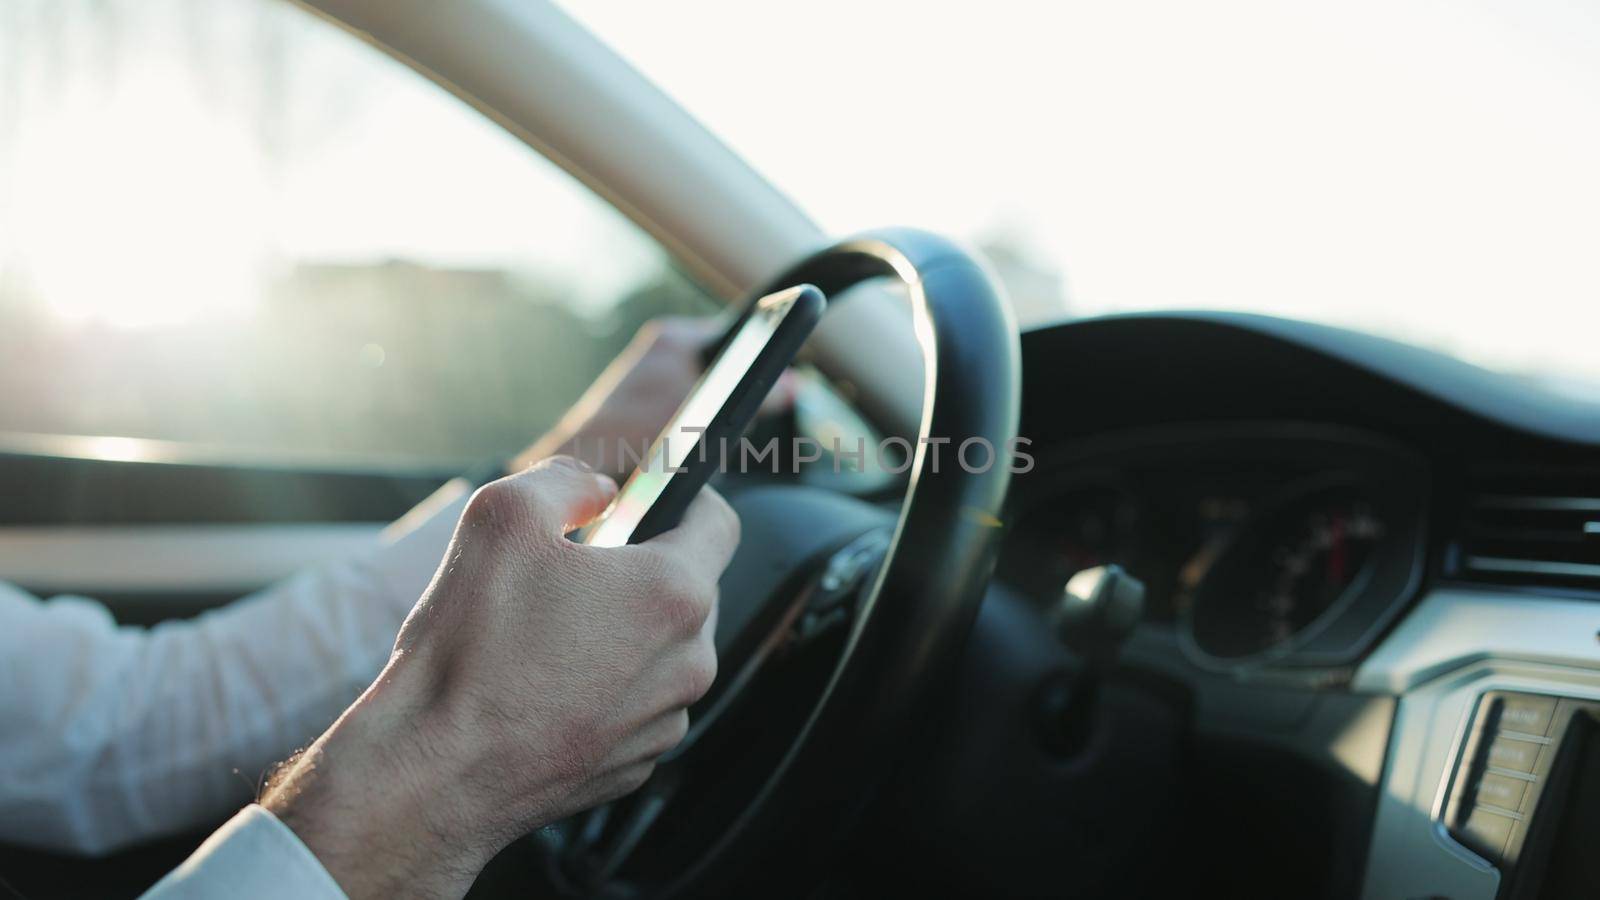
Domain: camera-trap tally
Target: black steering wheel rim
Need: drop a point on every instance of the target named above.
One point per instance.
(913, 621)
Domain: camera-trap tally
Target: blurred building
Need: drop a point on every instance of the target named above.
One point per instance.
(390, 360)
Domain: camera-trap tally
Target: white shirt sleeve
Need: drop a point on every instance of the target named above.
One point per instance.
(111, 735)
(253, 855)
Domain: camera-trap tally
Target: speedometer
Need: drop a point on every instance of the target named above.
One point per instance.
(1286, 574)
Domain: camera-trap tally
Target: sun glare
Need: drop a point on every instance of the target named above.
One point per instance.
(139, 208)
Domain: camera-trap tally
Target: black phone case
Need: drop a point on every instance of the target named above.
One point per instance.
(730, 422)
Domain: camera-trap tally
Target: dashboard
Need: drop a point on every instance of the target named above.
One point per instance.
(1259, 545)
(1357, 556)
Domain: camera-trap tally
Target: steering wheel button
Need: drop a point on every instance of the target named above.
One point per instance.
(1502, 791)
(1487, 833)
(1510, 753)
(1527, 713)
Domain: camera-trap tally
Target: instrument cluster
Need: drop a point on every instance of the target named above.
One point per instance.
(1261, 546)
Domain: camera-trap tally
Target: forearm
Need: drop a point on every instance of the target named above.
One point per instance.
(119, 734)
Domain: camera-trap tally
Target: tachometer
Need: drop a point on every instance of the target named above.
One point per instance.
(1286, 573)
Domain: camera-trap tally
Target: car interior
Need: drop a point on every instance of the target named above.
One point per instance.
(1266, 608)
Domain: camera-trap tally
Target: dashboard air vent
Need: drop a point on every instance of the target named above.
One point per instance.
(1532, 527)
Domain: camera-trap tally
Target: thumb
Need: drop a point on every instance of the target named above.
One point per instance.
(564, 493)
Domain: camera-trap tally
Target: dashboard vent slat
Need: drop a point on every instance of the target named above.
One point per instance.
(1531, 527)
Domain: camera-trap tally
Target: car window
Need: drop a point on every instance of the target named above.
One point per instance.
(1415, 169)
(231, 224)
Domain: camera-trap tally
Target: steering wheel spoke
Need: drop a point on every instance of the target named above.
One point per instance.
(830, 604)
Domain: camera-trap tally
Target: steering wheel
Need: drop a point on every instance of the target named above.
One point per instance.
(839, 622)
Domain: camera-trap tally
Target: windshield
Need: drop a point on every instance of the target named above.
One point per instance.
(1420, 170)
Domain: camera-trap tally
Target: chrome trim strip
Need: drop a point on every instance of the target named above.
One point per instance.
(1532, 566)
(1512, 773)
(1568, 504)
(1497, 810)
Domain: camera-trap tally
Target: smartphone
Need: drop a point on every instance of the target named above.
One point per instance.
(707, 426)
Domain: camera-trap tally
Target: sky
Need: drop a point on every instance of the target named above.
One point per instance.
(1413, 167)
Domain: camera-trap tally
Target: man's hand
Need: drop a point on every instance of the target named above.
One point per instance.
(633, 399)
(535, 678)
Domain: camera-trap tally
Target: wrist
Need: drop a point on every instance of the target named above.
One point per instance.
(381, 814)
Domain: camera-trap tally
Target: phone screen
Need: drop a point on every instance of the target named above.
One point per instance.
(681, 439)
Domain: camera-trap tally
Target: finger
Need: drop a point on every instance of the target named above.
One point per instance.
(706, 537)
(681, 678)
(656, 737)
(564, 493)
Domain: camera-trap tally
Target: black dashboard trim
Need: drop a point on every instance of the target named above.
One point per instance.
(1485, 394)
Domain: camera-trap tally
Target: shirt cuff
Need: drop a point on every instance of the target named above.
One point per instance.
(253, 855)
